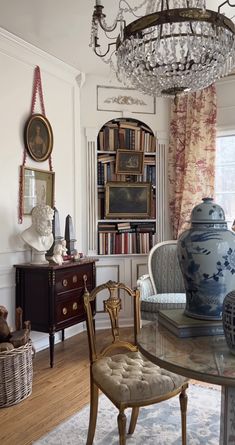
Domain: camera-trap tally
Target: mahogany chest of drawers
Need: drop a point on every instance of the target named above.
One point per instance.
(51, 295)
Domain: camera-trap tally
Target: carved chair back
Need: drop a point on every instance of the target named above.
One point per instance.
(112, 306)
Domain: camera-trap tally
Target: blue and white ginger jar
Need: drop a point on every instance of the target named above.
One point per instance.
(206, 255)
(229, 320)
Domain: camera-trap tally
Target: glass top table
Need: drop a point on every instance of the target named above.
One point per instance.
(206, 359)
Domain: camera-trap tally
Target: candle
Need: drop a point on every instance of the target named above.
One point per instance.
(98, 2)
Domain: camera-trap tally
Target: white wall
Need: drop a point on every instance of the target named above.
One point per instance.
(62, 104)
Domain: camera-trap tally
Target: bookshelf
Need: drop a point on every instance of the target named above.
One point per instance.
(126, 166)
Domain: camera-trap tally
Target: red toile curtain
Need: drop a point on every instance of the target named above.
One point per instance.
(191, 154)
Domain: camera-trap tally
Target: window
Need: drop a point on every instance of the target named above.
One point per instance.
(225, 175)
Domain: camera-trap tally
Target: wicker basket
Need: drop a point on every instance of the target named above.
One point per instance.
(16, 375)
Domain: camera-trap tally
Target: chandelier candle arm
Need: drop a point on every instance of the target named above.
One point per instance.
(222, 4)
(179, 47)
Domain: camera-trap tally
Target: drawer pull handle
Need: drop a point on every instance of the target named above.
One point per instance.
(75, 306)
(65, 283)
(64, 310)
(75, 279)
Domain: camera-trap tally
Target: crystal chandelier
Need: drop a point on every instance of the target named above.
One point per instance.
(176, 47)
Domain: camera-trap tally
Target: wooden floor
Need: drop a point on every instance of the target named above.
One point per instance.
(57, 393)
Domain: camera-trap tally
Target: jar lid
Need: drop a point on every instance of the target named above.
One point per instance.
(207, 212)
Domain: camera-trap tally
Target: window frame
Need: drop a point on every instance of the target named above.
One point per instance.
(223, 133)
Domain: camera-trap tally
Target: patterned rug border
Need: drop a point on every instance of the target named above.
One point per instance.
(159, 423)
(205, 385)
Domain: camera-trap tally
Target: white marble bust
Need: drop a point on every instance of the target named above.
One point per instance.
(39, 235)
(57, 254)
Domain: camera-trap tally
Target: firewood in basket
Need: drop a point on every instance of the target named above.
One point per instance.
(4, 328)
(19, 338)
(6, 346)
(18, 320)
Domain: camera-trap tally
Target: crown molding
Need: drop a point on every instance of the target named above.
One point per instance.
(25, 52)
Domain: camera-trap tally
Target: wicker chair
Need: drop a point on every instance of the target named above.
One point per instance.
(163, 287)
(126, 377)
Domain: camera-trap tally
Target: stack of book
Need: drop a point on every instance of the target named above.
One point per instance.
(125, 226)
(108, 139)
(183, 326)
(149, 174)
(105, 169)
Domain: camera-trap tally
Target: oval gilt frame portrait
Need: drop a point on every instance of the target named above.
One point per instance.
(38, 137)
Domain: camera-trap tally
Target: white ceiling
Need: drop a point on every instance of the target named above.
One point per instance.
(59, 27)
(62, 27)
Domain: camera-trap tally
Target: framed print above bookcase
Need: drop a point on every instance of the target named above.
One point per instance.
(128, 99)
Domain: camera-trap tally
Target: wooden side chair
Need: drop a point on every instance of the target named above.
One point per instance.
(124, 375)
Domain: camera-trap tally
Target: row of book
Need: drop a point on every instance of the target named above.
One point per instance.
(126, 135)
(124, 243)
(125, 238)
(106, 172)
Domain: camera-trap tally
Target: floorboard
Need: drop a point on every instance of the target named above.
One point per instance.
(57, 394)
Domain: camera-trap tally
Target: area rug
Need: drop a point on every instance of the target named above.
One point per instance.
(157, 424)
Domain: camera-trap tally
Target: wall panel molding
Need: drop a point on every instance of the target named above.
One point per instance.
(7, 277)
(162, 187)
(91, 187)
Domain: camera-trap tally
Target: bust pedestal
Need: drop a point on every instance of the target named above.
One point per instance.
(38, 257)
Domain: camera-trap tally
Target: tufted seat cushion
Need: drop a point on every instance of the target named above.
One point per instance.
(131, 377)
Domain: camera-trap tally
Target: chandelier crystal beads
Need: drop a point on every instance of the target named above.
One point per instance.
(177, 47)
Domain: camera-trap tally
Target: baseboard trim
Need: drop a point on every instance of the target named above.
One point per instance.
(41, 340)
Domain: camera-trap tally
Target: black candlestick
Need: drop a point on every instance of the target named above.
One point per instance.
(55, 230)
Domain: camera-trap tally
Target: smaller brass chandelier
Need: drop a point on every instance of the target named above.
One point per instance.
(179, 46)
